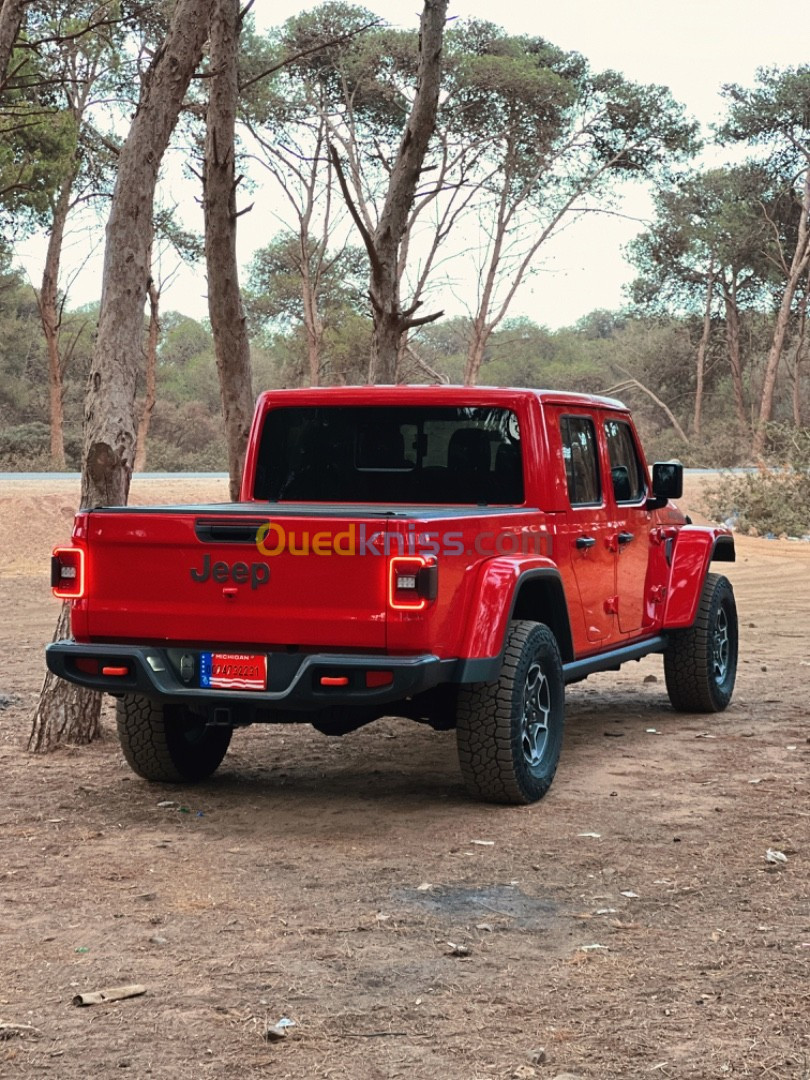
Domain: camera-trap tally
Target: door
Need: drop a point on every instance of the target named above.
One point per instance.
(631, 535)
(590, 527)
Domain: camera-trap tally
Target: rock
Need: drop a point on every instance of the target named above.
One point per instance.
(538, 1056)
(457, 950)
(524, 1072)
(650, 678)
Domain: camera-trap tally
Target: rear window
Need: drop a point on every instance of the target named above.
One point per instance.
(390, 454)
(581, 457)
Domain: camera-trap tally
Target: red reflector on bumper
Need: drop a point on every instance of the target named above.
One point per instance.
(119, 671)
(87, 665)
(379, 678)
(334, 680)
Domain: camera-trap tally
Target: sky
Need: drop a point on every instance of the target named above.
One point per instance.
(691, 46)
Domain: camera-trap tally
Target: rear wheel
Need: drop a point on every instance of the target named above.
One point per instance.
(168, 743)
(700, 663)
(509, 732)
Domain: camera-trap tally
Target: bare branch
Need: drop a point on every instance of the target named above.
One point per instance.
(366, 236)
(633, 381)
(423, 320)
(308, 52)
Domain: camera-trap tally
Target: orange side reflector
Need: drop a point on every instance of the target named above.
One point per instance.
(115, 671)
(334, 680)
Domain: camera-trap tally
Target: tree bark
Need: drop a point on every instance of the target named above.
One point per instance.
(735, 356)
(771, 370)
(700, 367)
(150, 396)
(798, 268)
(110, 402)
(66, 713)
(480, 335)
(798, 358)
(11, 13)
(383, 243)
(313, 327)
(225, 308)
(50, 318)
(390, 322)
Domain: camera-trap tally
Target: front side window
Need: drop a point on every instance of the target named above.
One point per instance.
(626, 470)
(390, 454)
(581, 457)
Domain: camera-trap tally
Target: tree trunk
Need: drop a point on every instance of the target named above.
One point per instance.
(11, 13)
(735, 357)
(150, 396)
(64, 712)
(313, 325)
(482, 326)
(771, 370)
(475, 350)
(383, 244)
(313, 355)
(798, 357)
(388, 330)
(390, 322)
(50, 318)
(110, 402)
(798, 268)
(700, 372)
(224, 298)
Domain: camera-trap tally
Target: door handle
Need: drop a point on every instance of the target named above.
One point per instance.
(585, 542)
(625, 537)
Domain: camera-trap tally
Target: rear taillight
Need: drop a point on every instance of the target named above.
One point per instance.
(67, 573)
(412, 582)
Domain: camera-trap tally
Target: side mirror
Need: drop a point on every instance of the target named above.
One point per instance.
(667, 483)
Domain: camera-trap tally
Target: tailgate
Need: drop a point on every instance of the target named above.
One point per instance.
(195, 577)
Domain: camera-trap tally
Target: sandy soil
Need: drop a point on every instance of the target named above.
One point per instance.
(627, 926)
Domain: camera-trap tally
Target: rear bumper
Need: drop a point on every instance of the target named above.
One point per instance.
(294, 679)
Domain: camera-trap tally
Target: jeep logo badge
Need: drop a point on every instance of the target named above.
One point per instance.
(257, 573)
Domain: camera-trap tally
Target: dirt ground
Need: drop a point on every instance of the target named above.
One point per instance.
(627, 926)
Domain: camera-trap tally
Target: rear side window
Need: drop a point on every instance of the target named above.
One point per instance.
(581, 457)
(626, 470)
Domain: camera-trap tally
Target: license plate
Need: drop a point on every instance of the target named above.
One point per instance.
(233, 671)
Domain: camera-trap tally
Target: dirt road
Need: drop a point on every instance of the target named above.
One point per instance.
(627, 926)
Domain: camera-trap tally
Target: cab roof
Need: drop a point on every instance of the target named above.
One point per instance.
(413, 393)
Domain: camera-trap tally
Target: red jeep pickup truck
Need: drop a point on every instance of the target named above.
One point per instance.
(451, 555)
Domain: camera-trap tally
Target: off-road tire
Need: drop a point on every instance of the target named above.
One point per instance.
(509, 732)
(700, 663)
(168, 743)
